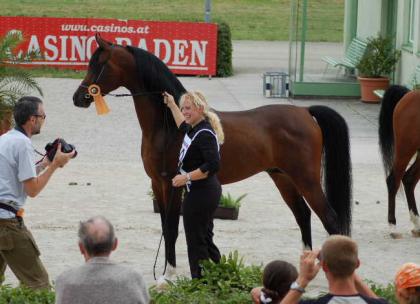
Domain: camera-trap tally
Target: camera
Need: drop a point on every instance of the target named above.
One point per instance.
(51, 148)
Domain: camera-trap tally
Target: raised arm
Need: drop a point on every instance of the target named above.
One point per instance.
(169, 100)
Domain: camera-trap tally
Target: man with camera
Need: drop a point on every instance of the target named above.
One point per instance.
(19, 178)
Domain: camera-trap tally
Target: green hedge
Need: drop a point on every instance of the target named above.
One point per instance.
(228, 282)
(224, 50)
(22, 295)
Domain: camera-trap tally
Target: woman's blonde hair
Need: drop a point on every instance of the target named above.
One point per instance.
(198, 99)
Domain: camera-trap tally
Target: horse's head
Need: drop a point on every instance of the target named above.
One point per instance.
(109, 68)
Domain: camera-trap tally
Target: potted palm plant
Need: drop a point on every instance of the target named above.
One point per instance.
(228, 208)
(375, 66)
(14, 81)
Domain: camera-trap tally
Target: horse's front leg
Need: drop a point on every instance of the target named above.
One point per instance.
(169, 206)
(170, 221)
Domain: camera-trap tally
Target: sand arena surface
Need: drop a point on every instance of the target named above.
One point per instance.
(111, 181)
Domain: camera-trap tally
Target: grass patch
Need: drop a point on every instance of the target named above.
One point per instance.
(51, 72)
(248, 19)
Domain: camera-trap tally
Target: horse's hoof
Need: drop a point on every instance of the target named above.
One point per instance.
(162, 283)
(415, 232)
(170, 272)
(396, 235)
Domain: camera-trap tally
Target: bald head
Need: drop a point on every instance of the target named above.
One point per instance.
(97, 236)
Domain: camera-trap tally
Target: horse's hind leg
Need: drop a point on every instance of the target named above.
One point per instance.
(393, 181)
(318, 202)
(410, 179)
(297, 204)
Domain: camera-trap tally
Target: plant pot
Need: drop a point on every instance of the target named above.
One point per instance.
(6, 121)
(224, 213)
(368, 85)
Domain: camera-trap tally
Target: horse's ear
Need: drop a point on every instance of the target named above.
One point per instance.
(102, 43)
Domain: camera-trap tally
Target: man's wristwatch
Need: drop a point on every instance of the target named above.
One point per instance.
(188, 177)
(295, 286)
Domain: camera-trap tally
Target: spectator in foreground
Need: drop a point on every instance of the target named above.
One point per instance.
(339, 260)
(277, 277)
(100, 280)
(407, 284)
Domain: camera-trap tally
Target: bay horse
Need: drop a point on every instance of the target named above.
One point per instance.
(399, 140)
(285, 141)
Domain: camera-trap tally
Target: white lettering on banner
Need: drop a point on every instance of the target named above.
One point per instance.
(179, 51)
(79, 46)
(50, 46)
(33, 44)
(105, 28)
(158, 42)
(178, 54)
(89, 46)
(142, 44)
(199, 51)
(123, 41)
(63, 48)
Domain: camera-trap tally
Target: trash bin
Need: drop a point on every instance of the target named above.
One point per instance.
(275, 84)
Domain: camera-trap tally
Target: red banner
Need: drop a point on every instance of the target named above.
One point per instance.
(185, 47)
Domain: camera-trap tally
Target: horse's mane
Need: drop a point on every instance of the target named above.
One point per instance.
(154, 74)
(94, 61)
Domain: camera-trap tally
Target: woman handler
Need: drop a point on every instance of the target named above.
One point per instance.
(198, 162)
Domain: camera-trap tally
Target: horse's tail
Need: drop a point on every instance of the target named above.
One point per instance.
(386, 134)
(337, 163)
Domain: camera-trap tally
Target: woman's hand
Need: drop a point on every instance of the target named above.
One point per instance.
(179, 180)
(169, 100)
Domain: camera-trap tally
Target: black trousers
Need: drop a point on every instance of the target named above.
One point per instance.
(198, 209)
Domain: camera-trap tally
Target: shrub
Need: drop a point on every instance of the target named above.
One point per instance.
(25, 295)
(231, 202)
(224, 50)
(387, 292)
(379, 58)
(230, 281)
(14, 81)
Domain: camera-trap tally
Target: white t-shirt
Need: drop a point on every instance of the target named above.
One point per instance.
(16, 165)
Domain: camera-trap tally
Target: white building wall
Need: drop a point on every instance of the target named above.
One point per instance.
(369, 18)
(410, 56)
